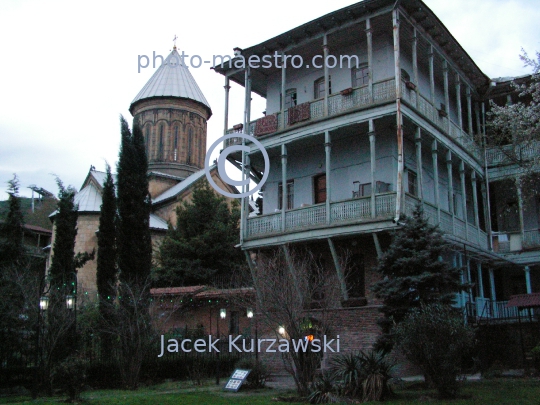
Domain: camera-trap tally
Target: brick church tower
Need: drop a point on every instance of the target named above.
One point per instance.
(172, 112)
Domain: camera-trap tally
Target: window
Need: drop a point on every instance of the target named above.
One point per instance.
(360, 76)
(234, 323)
(320, 87)
(175, 143)
(405, 76)
(290, 98)
(364, 189)
(290, 194)
(160, 153)
(412, 183)
(190, 144)
(147, 140)
(319, 185)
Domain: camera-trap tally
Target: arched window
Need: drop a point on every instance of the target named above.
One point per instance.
(175, 143)
(160, 153)
(190, 145)
(147, 140)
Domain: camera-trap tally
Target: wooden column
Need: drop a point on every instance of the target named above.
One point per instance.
(450, 188)
(469, 111)
(446, 94)
(283, 90)
(431, 75)
(434, 155)
(328, 150)
(415, 64)
(420, 175)
(492, 285)
(519, 192)
(464, 198)
(458, 102)
(226, 118)
(399, 117)
(370, 57)
(292, 271)
(339, 271)
(480, 280)
(397, 61)
(373, 162)
(528, 279)
(326, 81)
(487, 213)
(475, 204)
(283, 185)
(477, 117)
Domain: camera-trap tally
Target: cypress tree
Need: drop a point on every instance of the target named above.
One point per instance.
(11, 235)
(62, 270)
(201, 247)
(413, 273)
(134, 205)
(106, 260)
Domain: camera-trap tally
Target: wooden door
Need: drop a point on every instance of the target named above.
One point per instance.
(320, 189)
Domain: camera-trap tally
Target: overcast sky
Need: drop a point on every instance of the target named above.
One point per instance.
(68, 69)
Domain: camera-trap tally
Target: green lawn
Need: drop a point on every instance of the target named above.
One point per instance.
(500, 391)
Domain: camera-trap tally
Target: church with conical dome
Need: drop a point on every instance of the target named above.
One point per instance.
(172, 113)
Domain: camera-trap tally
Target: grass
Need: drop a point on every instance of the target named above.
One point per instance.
(498, 391)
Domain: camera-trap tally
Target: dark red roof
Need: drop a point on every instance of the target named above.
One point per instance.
(524, 300)
(177, 290)
(201, 291)
(36, 228)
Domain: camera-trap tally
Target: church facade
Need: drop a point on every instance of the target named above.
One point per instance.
(172, 113)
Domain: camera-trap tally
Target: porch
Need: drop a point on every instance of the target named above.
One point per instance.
(358, 210)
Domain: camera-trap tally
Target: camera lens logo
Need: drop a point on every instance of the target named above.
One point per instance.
(221, 165)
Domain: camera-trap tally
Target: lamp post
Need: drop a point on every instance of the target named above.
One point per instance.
(71, 306)
(43, 306)
(222, 314)
(250, 314)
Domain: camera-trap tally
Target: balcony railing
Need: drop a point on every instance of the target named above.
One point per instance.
(486, 310)
(511, 153)
(531, 239)
(449, 223)
(341, 212)
(383, 91)
(359, 210)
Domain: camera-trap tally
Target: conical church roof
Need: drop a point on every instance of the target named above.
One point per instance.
(172, 79)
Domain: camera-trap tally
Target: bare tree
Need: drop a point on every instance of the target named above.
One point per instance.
(515, 128)
(295, 293)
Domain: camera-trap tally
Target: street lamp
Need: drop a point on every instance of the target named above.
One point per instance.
(44, 303)
(281, 330)
(222, 315)
(70, 301)
(250, 314)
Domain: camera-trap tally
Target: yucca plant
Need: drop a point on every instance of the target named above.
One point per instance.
(347, 368)
(376, 371)
(323, 390)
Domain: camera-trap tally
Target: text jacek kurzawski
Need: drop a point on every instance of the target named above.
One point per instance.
(237, 344)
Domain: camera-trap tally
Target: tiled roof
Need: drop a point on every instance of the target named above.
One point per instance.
(524, 300)
(177, 290)
(172, 79)
(202, 291)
